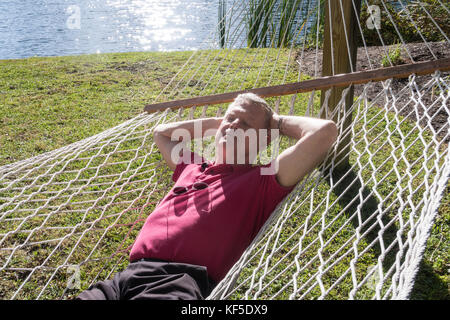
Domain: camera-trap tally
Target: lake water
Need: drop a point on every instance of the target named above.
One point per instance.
(71, 27)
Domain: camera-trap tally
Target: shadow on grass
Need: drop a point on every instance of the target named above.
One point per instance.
(428, 285)
(348, 190)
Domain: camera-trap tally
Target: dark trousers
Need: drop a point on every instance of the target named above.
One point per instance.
(151, 279)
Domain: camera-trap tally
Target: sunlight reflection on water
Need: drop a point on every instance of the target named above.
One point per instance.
(43, 27)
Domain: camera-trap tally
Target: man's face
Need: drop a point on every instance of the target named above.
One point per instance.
(237, 137)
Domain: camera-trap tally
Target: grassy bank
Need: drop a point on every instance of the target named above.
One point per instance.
(50, 102)
(47, 103)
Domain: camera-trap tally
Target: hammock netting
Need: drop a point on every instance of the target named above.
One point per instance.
(69, 217)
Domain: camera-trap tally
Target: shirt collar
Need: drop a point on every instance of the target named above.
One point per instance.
(214, 168)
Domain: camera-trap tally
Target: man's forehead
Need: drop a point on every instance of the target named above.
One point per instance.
(254, 114)
(234, 108)
(245, 107)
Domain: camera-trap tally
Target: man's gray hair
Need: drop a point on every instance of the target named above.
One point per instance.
(254, 99)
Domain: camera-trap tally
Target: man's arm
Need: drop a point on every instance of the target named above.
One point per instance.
(164, 133)
(314, 138)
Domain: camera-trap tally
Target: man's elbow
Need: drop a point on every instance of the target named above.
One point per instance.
(160, 134)
(159, 137)
(157, 130)
(331, 130)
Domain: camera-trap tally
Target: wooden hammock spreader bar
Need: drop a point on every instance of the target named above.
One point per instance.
(340, 80)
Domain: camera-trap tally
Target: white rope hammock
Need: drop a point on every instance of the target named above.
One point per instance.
(69, 217)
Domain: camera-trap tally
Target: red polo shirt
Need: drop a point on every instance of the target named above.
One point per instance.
(213, 226)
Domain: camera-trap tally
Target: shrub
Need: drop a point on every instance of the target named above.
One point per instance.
(393, 58)
(424, 23)
(407, 21)
(258, 18)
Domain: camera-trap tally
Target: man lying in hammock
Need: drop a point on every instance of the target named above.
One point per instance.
(201, 228)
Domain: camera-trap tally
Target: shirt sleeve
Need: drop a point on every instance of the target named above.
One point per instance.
(194, 159)
(178, 170)
(273, 193)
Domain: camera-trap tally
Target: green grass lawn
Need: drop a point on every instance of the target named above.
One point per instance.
(48, 103)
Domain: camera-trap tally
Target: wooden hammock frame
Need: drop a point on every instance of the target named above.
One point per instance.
(340, 80)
